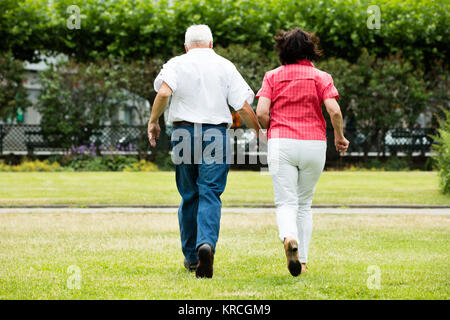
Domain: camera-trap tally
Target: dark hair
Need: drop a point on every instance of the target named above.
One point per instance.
(296, 44)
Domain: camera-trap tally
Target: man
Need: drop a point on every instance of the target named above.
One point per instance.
(202, 85)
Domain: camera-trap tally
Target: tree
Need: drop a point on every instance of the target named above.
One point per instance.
(13, 95)
(381, 94)
(137, 77)
(76, 100)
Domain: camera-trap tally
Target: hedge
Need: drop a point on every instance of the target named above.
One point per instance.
(134, 29)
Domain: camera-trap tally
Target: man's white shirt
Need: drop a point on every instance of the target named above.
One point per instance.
(204, 84)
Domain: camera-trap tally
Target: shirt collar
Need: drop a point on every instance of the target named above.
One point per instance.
(200, 50)
(305, 62)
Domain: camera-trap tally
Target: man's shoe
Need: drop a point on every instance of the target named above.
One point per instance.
(291, 249)
(205, 261)
(189, 266)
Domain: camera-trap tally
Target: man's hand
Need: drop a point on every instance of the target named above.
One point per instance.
(341, 144)
(160, 103)
(153, 132)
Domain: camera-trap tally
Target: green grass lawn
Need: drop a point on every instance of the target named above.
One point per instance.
(243, 188)
(138, 256)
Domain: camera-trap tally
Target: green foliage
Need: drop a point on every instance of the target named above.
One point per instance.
(12, 93)
(396, 164)
(391, 164)
(76, 99)
(380, 93)
(142, 165)
(101, 163)
(32, 166)
(164, 161)
(112, 163)
(85, 163)
(85, 158)
(137, 77)
(136, 29)
(251, 61)
(25, 27)
(438, 81)
(442, 149)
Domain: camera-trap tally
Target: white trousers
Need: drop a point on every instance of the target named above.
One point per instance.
(295, 167)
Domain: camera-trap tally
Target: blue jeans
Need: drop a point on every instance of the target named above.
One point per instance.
(200, 182)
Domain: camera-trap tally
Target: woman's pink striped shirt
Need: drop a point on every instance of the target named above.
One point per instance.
(297, 92)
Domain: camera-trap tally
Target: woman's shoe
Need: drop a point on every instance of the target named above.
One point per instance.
(291, 249)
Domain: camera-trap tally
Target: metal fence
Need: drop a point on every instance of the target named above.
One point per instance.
(28, 139)
(392, 142)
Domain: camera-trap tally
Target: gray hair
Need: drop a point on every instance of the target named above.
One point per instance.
(199, 34)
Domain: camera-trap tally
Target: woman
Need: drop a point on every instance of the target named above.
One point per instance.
(290, 107)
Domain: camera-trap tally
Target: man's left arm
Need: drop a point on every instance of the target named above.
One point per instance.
(159, 105)
(248, 115)
(240, 96)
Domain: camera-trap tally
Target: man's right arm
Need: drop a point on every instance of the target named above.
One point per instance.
(159, 105)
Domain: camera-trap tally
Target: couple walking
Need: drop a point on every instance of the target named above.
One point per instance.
(202, 86)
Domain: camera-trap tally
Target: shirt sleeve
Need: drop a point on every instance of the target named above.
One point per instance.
(239, 91)
(266, 89)
(329, 90)
(168, 75)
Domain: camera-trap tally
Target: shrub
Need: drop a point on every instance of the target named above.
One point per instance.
(32, 166)
(391, 164)
(122, 163)
(396, 164)
(164, 161)
(101, 163)
(136, 29)
(145, 166)
(442, 149)
(373, 164)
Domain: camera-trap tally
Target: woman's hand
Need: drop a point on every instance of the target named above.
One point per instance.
(341, 144)
(335, 113)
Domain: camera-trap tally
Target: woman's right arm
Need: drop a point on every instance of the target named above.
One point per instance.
(335, 113)
(262, 111)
